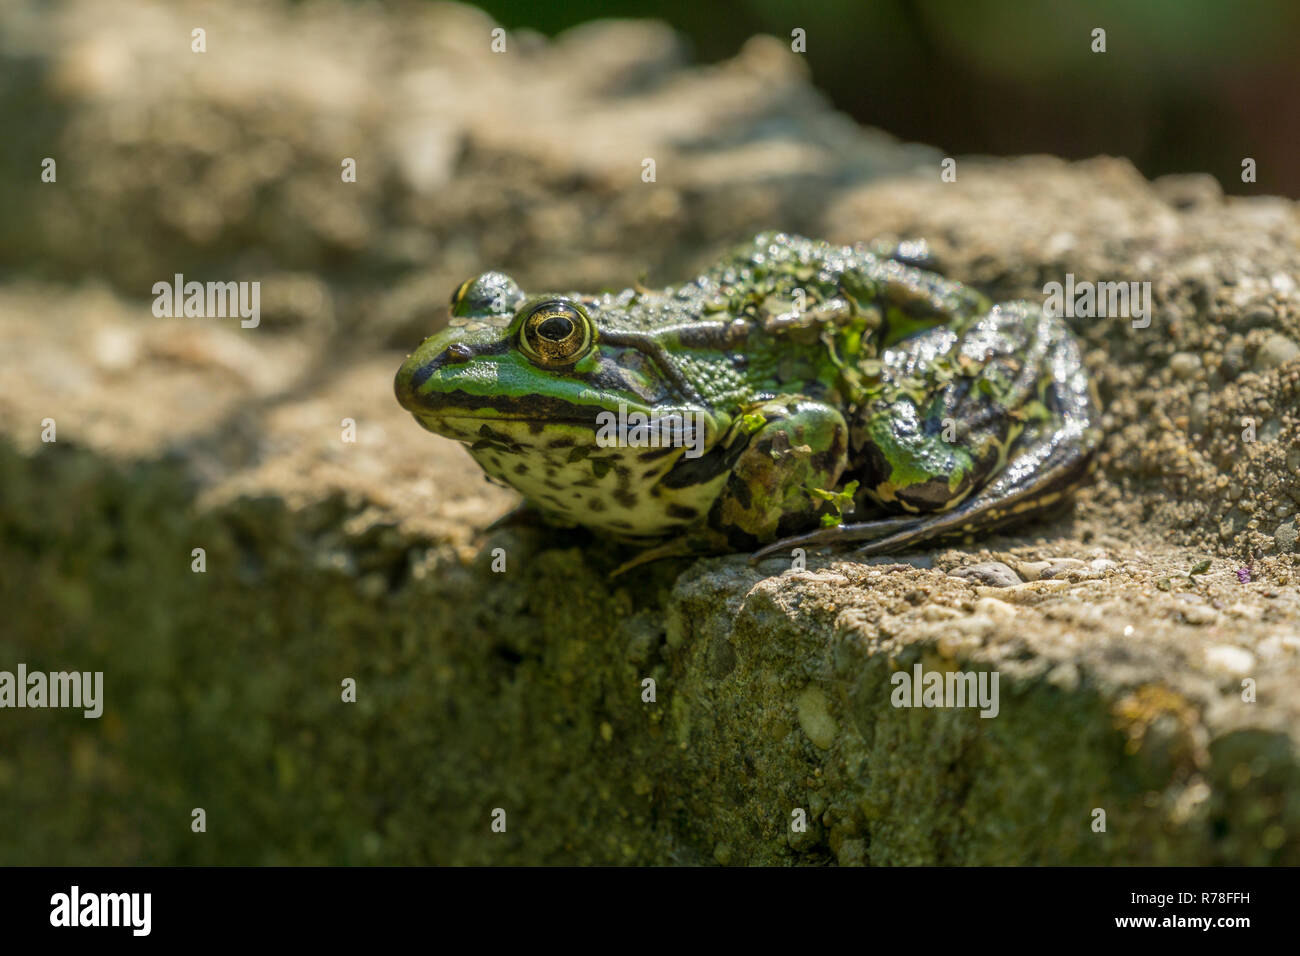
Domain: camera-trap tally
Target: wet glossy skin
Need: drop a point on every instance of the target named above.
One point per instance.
(840, 397)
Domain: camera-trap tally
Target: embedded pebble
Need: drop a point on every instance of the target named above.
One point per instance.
(1198, 613)
(1275, 351)
(1049, 569)
(815, 717)
(1286, 534)
(1184, 365)
(1234, 660)
(1032, 570)
(993, 573)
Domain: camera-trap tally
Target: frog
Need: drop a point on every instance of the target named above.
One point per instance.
(841, 396)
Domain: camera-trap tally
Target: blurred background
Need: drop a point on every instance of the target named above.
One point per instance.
(1184, 85)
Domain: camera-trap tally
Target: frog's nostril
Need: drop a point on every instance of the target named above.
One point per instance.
(417, 371)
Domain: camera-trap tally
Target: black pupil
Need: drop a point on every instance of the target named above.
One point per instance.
(557, 328)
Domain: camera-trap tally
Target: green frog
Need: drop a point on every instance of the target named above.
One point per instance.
(817, 395)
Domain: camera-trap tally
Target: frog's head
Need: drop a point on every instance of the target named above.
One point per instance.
(547, 392)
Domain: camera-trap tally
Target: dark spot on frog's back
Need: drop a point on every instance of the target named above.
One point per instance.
(682, 511)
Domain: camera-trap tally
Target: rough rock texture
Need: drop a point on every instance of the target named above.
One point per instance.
(1121, 673)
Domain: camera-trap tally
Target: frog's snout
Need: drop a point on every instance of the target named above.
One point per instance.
(402, 387)
(421, 365)
(415, 371)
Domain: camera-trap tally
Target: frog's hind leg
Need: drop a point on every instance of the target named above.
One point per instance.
(1048, 464)
(1042, 473)
(1038, 466)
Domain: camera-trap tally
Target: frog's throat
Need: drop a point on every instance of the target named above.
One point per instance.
(561, 427)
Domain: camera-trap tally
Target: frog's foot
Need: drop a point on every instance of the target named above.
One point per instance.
(837, 535)
(777, 484)
(683, 547)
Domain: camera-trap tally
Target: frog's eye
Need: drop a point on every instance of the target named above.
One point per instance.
(492, 293)
(555, 333)
(458, 296)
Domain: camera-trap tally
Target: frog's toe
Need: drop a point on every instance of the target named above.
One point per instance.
(838, 535)
(686, 546)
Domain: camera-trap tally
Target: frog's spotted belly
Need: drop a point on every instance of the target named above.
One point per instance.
(616, 490)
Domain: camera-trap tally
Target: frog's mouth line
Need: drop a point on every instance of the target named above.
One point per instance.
(533, 410)
(470, 423)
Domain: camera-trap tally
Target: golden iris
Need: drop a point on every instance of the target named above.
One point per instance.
(555, 333)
